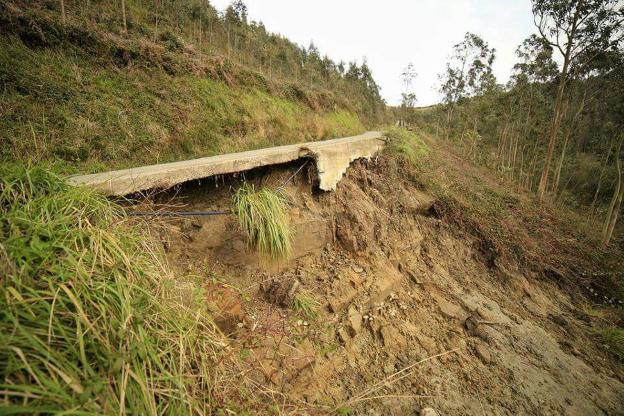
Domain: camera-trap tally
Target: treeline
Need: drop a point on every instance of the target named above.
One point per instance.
(557, 127)
(196, 26)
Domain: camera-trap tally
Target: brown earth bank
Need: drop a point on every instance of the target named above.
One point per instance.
(397, 300)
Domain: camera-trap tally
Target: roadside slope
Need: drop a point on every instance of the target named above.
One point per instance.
(88, 97)
(405, 290)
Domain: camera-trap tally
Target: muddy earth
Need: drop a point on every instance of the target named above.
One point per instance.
(387, 307)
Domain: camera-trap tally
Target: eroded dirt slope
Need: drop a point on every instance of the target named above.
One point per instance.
(389, 305)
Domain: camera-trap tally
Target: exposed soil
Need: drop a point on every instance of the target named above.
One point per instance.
(413, 310)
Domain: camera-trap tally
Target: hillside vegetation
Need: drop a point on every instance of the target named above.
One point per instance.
(179, 81)
(555, 128)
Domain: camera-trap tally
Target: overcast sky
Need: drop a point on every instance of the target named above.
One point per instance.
(392, 33)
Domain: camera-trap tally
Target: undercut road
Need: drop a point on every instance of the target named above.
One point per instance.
(332, 158)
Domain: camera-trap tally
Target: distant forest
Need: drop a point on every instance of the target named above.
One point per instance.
(557, 127)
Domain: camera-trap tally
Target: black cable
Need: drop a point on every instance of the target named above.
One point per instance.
(178, 213)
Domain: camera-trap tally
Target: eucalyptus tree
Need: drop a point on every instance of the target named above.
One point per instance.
(578, 30)
(469, 70)
(408, 96)
(525, 109)
(468, 74)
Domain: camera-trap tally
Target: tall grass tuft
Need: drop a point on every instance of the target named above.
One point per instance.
(614, 338)
(263, 218)
(89, 321)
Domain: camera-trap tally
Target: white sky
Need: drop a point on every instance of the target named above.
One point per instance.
(392, 33)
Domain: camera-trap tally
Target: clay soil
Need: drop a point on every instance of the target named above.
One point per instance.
(393, 301)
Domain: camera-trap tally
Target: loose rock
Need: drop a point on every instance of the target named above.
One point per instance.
(449, 310)
(483, 353)
(355, 321)
(475, 329)
(343, 336)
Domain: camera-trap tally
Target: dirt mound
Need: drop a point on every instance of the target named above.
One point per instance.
(390, 304)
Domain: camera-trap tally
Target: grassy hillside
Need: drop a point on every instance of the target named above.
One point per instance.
(92, 319)
(84, 95)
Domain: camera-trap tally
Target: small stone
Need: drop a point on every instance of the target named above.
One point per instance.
(559, 320)
(299, 322)
(197, 224)
(483, 353)
(449, 310)
(391, 337)
(428, 411)
(356, 268)
(485, 313)
(428, 344)
(343, 337)
(355, 320)
(474, 329)
(414, 277)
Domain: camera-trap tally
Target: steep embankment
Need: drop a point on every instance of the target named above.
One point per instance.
(84, 94)
(405, 290)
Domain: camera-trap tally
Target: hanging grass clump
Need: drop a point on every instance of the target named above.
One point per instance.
(263, 217)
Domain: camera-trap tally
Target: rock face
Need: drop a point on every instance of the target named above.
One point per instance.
(332, 158)
(395, 287)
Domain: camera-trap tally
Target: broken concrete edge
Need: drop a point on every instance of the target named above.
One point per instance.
(332, 158)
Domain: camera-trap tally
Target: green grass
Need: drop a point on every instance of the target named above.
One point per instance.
(614, 338)
(405, 144)
(90, 321)
(305, 305)
(263, 217)
(71, 109)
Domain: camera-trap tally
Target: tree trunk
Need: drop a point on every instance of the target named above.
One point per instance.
(63, 17)
(616, 201)
(449, 114)
(602, 171)
(123, 15)
(228, 40)
(617, 205)
(560, 165)
(554, 128)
